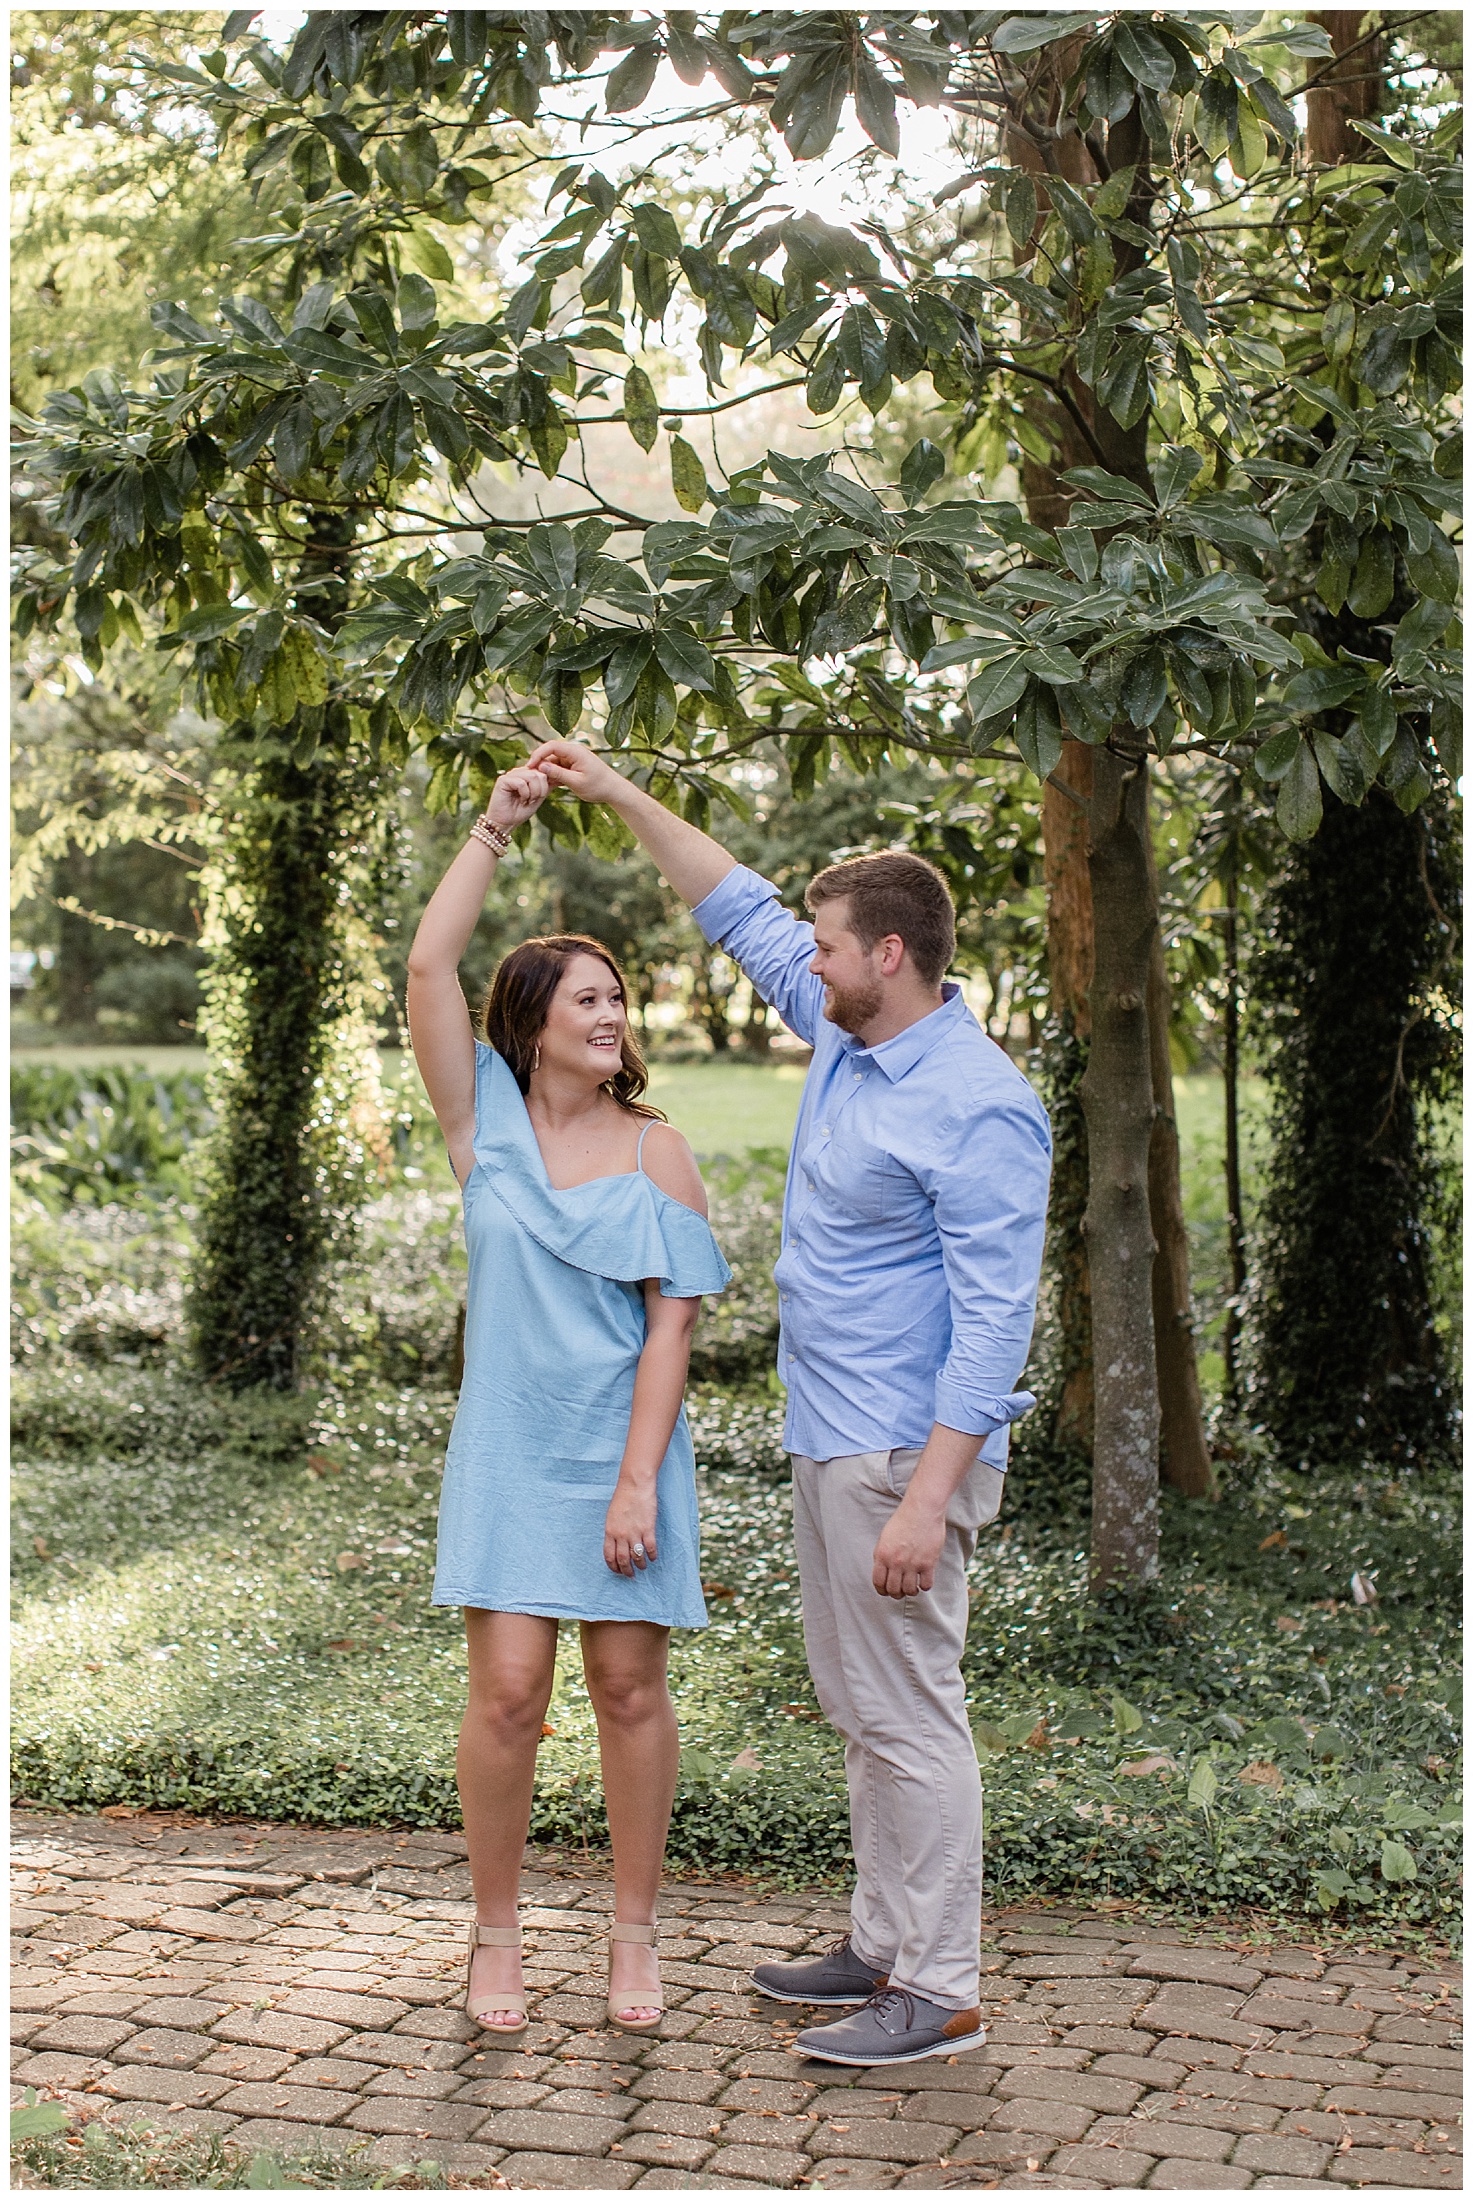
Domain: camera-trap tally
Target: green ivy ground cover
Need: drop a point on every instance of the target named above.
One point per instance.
(53, 2145)
(222, 1605)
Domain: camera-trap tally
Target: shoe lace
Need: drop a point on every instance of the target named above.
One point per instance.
(887, 1999)
(839, 1947)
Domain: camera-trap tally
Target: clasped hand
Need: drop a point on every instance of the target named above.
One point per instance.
(517, 795)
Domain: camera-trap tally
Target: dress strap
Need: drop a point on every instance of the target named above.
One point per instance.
(639, 1149)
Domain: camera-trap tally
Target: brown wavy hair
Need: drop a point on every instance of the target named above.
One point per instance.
(514, 1013)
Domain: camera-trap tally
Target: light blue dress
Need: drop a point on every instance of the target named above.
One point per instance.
(554, 1327)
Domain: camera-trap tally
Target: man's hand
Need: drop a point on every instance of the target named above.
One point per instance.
(909, 1546)
(910, 1543)
(692, 862)
(568, 764)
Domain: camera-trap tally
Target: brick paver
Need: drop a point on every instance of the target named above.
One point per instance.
(300, 1988)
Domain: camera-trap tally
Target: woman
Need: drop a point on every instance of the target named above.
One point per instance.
(569, 1486)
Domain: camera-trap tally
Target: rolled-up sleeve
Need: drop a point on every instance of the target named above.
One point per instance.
(988, 1186)
(745, 917)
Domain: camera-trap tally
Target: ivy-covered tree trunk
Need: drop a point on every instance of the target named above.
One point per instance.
(1353, 985)
(292, 993)
(287, 1015)
(1120, 1110)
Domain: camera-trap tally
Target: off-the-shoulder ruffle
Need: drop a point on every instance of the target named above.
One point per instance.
(621, 1227)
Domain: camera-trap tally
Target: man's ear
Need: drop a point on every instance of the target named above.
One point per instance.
(892, 954)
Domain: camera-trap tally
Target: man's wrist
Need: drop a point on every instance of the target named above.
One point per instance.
(926, 1507)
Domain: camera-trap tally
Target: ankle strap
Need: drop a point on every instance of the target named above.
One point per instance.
(496, 1936)
(645, 1935)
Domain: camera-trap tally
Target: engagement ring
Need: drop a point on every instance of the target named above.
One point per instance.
(639, 1550)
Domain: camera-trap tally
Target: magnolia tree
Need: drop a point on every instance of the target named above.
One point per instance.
(1213, 349)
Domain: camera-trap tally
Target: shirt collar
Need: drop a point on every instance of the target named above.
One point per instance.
(896, 1056)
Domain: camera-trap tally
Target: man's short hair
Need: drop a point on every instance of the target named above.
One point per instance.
(894, 893)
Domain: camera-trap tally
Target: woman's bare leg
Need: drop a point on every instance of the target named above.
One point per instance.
(625, 1664)
(511, 1657)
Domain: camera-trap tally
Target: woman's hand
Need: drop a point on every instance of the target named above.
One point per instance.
(629, 1530)
(569, 764)
(517, 795)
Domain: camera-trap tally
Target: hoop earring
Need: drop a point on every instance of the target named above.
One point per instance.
(536, 1057)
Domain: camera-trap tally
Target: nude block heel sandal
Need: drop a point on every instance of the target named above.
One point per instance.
(503, 1997)
(636, 1997)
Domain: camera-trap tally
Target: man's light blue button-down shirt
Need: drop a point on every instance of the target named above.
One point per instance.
(914, 1213)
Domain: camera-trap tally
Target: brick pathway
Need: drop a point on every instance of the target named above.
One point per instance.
(300, 1988)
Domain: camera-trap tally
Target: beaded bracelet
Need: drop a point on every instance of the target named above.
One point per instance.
(491, 836)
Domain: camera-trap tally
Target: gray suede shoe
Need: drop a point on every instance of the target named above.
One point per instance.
(830, 1981)
(894, 2026)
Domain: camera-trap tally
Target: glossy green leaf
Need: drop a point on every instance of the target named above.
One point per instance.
(624, 668)
(850, 622)
(825, 385)
(1143, 53)
(1322, 687)
(1026, 33)
(1373, 583)
(998, 687)
(1436, 572)
(687, 476)
(1396, 149)
(630, 83)
(641, 408)
(1300, 805)
(685, 659)
(874, 101)
(1037, 731)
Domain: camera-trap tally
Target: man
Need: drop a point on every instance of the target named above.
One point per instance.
(912, 1239)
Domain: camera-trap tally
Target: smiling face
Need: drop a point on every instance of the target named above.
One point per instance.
(852, 973)
(584, 1032)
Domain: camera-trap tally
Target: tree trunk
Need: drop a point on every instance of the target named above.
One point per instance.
(1237, 1265)
(70, 984)
(1119, 1109)
(1185, 1461)
(292, 997)
(757, 1031)
(1352, 88)
(1071, 956)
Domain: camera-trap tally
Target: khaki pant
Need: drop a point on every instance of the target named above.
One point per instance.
(888, 1675)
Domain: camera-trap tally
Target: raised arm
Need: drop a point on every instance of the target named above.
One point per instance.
(693, 862)
(772, 946)
(439, 1022)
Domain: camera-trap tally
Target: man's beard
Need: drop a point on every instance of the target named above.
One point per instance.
(851, 1007)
